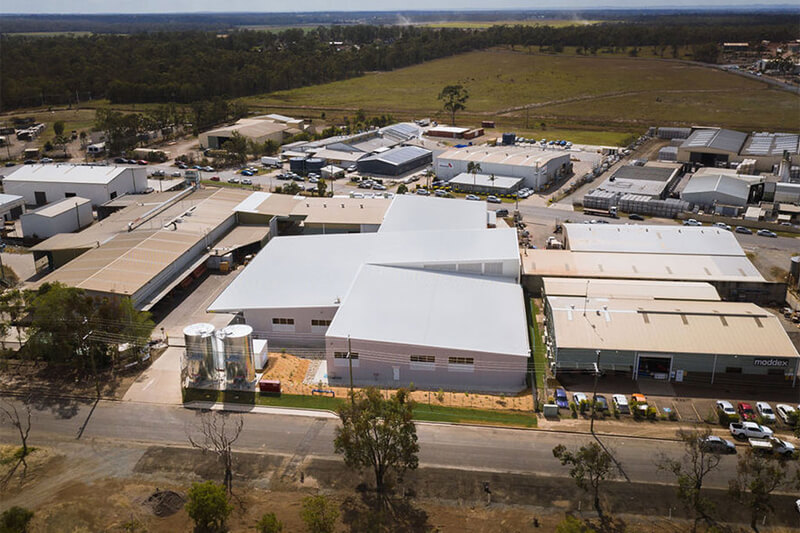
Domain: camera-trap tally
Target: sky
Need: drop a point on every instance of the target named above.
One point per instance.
(266, 6)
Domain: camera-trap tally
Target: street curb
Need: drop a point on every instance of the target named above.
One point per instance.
(265, 409)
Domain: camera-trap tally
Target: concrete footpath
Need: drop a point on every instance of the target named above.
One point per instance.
(261, 409)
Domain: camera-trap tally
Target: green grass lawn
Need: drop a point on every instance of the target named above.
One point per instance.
(430, 413)
(539, 349)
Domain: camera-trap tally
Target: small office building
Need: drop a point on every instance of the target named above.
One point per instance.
(64, 216)
(44, 184)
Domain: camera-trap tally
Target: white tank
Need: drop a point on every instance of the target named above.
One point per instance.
(200, 351)
(237, 342)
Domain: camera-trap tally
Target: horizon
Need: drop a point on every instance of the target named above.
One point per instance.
(135, 7)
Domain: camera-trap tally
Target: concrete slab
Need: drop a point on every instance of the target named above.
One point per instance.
(161, 382)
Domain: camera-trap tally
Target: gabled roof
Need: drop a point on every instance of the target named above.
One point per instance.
(399, 156)
(716, 139)
(415, 213)
(651, 239)
(434, 309)
(718, 184)
(62, 173)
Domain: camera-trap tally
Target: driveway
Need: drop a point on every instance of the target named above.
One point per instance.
(161, 382)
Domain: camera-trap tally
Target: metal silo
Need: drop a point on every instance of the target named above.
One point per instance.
(237, 342)
(314, 164)
(297, 165)
(200, 351)
(794, 268)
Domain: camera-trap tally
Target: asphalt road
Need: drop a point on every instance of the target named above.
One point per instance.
(460, 447)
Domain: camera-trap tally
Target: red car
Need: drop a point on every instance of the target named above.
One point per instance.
(141, 162)
(214, 178)
(746, 411)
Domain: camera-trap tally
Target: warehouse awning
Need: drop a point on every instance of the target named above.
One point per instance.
(239, 237)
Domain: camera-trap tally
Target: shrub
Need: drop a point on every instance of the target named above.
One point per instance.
(651, 413)
(319, 514)
(440, 395)
(208, 506)
(673, 415)
(269, 523)
(15, 520)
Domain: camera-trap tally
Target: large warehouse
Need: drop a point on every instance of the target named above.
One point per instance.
(708, 190)
(675, 340)
(257, 129)
(42, 184)
(654, 180)
(711, 147)
(405, 297)
(537, 167)
(395, 161)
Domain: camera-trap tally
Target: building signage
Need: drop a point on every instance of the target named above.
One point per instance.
(778, 363)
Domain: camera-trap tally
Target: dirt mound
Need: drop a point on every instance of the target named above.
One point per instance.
(164, 503)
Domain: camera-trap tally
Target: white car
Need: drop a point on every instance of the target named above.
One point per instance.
(765, 410)
(621, 403)
(725, 407)
(493, 200)
(692, 222)
(472, 197)
(785, 412)
(722, 225)
(579, 397)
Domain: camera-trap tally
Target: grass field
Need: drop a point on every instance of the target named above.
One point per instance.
(556, 23)
(568, 92)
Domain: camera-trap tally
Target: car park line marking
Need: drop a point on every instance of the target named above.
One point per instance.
(695, 411)
(149, 383)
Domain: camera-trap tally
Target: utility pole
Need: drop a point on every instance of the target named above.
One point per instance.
(594, 391)
(2, 268)
(350, 361)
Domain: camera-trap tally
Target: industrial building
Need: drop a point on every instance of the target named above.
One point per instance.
(396, 161)
(653, 253)
(347, 149)
(537, 167)
(654, 180)
(711, 147)
(401, 300)
(708, 190)
(43, 184)
(453, 132)
(256, 129)
(762, 152)
(146, 250)
(486, 183)
(63, 216)
(11, 206)
(673, 340)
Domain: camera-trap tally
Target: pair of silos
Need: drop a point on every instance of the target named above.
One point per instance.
(229, 350)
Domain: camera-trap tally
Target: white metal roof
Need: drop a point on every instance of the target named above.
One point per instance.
(415, 213)
(61, 206)
(434, 309)
(630, 289)
(565, 263)
(6, 199)
(728, 185)
(651, 239)
(485, 180)
(524, 156)
(724, 328)
(60, 173)
(318, 270)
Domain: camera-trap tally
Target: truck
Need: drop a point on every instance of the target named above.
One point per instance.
(554, 244)
(772, 445)
(611, 212)
(271, 161)
(749, 430)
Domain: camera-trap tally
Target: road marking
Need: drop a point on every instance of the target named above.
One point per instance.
(149, 383)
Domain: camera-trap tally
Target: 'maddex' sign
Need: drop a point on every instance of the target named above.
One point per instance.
(777, 363)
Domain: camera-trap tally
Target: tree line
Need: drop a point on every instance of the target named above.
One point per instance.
(192, 66)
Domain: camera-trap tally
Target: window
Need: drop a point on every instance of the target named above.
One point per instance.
(422, 362)
(40, 197)
(70, 195)
(285, 325)
(461, 361)
(324, 323)
(733, 370)
(113, 195)
(423, 359)
(341, 359)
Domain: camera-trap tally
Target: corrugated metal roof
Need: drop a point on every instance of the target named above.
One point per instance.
(717, 139)
(662, 326)
(59, 207)
(63, 173)
(485, 180)
(399, 156)
(717, 184)
(651, 239)
(526, 156)
(415, 213)
(772, 144)
(434, 309)
(630, 289)
(646, 173)
(564, 263)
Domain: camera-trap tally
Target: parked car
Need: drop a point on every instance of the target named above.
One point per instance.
(30, 162)
(722, 225)
(765, 410)
(725, 407)
(46, 160)
(493, 200)
(767, 233)
(10, 163)
(692, 222)
(746, 411)
(561, 399)
(742, 229)
(579, 397)
(501, 212)
(423, 192)
(640, 400)
(246, 172)
(233, 180)
(120, 161)
(749, 430)
(208, 169)
(365, 185)
(634, 216)
(602, 403)
(472, 197)
(141, 162)
(621, 403)
(379, 187)
(214, 178)
(313, 179)
(785, 412)
(183, 166)
(714, 444)
(772, 445)
(176, 174)
(247, 181)
(352, 168)
(440, 192)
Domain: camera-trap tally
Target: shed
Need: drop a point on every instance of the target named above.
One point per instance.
(64, 216)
